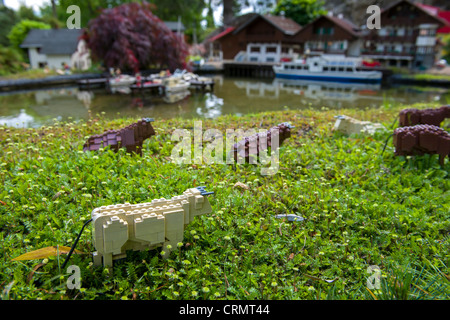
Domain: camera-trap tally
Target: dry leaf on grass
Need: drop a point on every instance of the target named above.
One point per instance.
(241, 186)
(45, 253)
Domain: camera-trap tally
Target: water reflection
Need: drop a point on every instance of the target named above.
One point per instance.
(22, 120)
(172, 97)
(230, 96)
(86, 98)
(259, 89)
(327, 90)
(212, 107)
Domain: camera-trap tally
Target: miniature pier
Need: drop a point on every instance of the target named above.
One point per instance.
(146, 84)
(248, 69)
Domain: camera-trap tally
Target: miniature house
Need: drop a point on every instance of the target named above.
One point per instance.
(52, 47)
(256, 38)
(407, 37)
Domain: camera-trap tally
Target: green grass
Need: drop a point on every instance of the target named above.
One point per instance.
(41, 73)
(431, 77)
(29, 74)
(361, 208)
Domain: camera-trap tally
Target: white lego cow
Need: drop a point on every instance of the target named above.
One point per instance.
(122, 227)
(348, 125)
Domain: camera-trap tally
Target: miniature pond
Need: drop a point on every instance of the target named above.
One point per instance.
(229, 96)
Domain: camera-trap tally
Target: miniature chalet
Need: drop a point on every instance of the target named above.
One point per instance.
(407, 37)
(330, 34)
(256, 38)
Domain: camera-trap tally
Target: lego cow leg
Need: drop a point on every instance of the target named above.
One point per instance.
(98, 258)
(174, 230)
(108, 260)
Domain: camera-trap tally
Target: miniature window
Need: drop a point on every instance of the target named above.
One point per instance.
(340, 69)
(255, 49)
(325, 68)
(271, 49)
(333, 69)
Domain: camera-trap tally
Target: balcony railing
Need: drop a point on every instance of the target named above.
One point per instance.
(409, 53)
(328, 50)
(390, 38)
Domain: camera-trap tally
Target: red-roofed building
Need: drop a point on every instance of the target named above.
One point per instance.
(329, 34)
(407, 37)
(445, 15)
(256, 38)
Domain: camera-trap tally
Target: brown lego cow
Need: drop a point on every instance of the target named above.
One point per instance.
(421, 139)
(411, 117)
(131, 137)
(251, 145)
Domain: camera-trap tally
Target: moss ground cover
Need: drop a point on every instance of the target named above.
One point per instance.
(361, 207)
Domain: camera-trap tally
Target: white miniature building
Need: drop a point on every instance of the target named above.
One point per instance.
(81, 58)
(138, 227)
(51, 47)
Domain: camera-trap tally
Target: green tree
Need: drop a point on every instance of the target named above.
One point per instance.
(301, 11)
(131, 37)
(20, 31)
(57, 16)
(8, 19)
(446, 48)
(233, 8)
(10, 61)
(27, 13)
(190, 12)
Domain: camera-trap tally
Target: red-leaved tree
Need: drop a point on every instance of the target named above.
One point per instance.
(131, 37)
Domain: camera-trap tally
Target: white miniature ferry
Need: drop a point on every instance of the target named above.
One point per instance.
(327, 68)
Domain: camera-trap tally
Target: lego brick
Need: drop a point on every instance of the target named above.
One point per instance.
(411, 117)
(115, 234)
(251, 146)
(131, 137)
(421, 139)
(149, 228)
(122, 227)
(348, 125)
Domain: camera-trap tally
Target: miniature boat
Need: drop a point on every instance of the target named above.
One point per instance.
(172, 97)
(175, 84)
(327, 68)
(122, 81)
